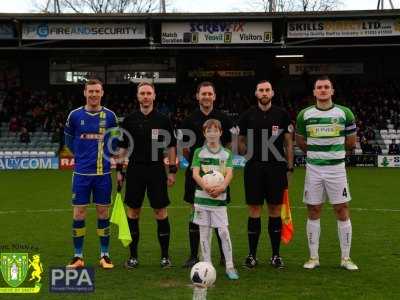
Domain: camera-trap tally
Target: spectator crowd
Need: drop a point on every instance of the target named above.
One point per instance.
(375, 106)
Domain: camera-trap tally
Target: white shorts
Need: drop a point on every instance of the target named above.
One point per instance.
(215, 217)
(323, 182)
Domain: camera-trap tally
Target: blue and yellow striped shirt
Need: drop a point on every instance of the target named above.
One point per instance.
(89, 133)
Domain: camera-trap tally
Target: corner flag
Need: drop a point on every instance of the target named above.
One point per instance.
(287, 224)
(118, 217)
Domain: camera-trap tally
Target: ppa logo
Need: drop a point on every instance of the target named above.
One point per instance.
(65, 280)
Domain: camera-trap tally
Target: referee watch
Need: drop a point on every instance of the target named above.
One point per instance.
(291, 170)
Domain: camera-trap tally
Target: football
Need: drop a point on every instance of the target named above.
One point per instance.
(213, 178)
(203, 274)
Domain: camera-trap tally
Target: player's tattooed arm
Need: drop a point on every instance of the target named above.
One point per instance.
(301, 142)
(289, 149)
(351, 142)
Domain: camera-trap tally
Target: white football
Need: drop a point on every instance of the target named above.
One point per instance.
(203, 274)
(213, 178)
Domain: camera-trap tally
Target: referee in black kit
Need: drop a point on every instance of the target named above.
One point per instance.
(270, 151)
(206, 96)
(145, 129)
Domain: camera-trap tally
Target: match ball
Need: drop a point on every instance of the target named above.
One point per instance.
(213, 178)
(203, 274)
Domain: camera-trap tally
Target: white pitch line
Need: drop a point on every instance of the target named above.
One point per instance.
(56, 210)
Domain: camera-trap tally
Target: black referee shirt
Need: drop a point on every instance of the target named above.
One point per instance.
(275, 121)
(145, 132)
(195, 123)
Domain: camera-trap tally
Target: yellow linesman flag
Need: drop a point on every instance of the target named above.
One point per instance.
(118, 217)
(287, 224)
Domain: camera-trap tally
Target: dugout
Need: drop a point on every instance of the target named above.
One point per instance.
(57, 52)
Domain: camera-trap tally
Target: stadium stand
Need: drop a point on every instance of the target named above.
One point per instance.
(39, 116)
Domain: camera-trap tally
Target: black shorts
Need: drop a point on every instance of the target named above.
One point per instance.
(264, 182)
(152, 178)
(190, 187)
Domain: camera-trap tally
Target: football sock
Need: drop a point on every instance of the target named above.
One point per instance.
(194, 238)
(163, 232)
(78, 235)
(134, 229)
(205, 242)
(253, 234)
(221, 251)
(274, 230)
(226, 246)
(313, 229)
(345, 234)
(103, 231)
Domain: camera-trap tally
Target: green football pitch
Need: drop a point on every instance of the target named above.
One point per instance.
(35, 209)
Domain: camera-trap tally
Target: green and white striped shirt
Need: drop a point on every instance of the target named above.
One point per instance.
(207, 160)
(325, 132)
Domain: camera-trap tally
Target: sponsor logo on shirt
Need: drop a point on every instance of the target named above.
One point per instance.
(92, 136)
(324, 130)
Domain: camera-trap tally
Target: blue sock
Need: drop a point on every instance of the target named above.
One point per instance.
(78, 235)
(103, 231)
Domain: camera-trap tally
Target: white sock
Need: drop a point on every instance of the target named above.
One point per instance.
(223, 233)
(313, 233)
(345, 233)
(205, 242)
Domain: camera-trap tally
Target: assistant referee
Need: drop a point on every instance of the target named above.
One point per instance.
(146, 128)
(268, 132)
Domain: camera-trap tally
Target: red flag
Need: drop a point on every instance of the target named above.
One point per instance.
(287, 224)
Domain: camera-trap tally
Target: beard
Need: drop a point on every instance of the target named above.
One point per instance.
(324, 98)
(206, 104)
(264, 100)
(145, 103)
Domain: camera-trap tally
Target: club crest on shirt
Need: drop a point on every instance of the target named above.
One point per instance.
(205, 169)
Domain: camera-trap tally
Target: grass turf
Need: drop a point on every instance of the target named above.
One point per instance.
(35, 209)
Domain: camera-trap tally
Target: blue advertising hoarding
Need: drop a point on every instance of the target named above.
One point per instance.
(28, 163)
